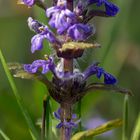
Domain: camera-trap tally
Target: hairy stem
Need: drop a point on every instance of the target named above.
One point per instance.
(70, 4)
(66, 113)
(68, 65)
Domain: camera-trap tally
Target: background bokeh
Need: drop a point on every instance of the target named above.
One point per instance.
(119, 55)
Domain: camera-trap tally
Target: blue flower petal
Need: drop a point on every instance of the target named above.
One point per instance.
(80, 32)
(29, 2)
(45, 65)
(110, 8)
(109, 79)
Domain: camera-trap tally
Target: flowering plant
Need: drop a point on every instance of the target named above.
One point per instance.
(68, 33)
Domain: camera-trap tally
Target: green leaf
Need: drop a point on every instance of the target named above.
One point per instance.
(4, 135)
(32, 135)
(102, 86)
(18, 98)
(125, 119)
(83, 135)
(48, 117)
(136, 131)
(18, 71)
(79, 110)
(78, 46)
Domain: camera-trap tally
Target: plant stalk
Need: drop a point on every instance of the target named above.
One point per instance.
(66, 109)
(68, 65)
(125, 119)
(66, 113)
(70, 4)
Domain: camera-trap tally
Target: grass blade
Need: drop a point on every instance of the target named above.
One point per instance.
(136, 131)
(48, 117)
(125, 119)
(32, 135)
(4, 135)
(18, 97)
(80, 114)
(84, 135)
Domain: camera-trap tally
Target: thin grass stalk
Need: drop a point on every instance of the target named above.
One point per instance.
(136, 131)
(80, 114)
(18, 98)
(45, 131)
(43, 119)
(4, 135)
(48, 118)
(125, 119)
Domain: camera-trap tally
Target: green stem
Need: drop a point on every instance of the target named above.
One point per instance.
(125, 119)
(48, 118)
(43, 118)
(80, 114)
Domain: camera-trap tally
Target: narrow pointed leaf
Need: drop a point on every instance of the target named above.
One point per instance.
(18, 98)
(4, 135)
(125, 119)
(83, 135)
(136, 131)
(18, 71)
(101, 86)
(78, 46)
(48, 117)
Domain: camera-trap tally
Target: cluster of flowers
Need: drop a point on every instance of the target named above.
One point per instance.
(71, 25)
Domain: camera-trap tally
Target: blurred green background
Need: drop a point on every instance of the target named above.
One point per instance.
(119, 55)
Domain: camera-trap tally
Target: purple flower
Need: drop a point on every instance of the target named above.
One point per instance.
(79, 8)
(98, 71)
(34, 25)
(109, 79)
(110, 8)
(80, 32)
(29, 2)
(37, 40)
(60, 17)
(45, 65)
(68, 124)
